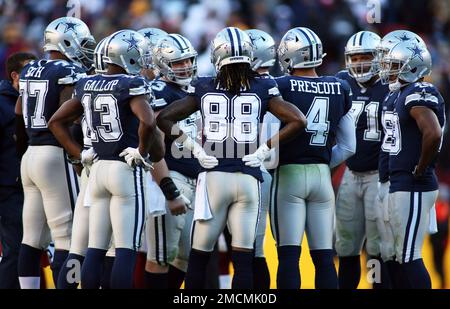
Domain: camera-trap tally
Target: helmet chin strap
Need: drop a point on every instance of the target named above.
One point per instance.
(395, 86)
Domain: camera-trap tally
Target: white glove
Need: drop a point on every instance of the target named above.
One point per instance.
(185, 200)
(257, 158)
(205, 160)
(88, 156)
(134, 158)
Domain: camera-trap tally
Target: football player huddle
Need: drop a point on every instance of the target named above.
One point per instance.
(130, 153)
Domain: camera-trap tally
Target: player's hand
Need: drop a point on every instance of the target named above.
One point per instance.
(199, 153)
(134, 158)
(77, 168)
(178, 205)
(88, 156)
(257, 158)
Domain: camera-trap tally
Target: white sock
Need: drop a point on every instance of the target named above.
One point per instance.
(30, 282)
(225, 282)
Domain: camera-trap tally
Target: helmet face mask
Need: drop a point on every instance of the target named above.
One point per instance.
(152, 36)
(363, 66)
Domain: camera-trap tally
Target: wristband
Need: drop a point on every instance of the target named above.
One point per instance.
(169, 189)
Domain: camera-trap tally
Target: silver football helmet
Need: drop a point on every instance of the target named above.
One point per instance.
(363, 42)
(71, 37)
(397, 36)
(407, 61)
(300, 48)
(173, 48)
(126, 48)
(231, 45)
(99, 64)
(152, 36)
(264, 52)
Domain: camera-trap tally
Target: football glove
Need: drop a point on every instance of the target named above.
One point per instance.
(205, 160)
(88, 156)
(257, 158)
(134, 158)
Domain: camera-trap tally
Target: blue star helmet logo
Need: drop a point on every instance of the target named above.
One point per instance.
(417, 52)
(148, 34)
(132, 43)
(70, 26)
(404, 37)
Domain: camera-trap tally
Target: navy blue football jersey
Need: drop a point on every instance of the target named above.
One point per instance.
(112, 125)
(366, 108)
(324, 100)
(177, 158)
(405, 150)
(231, 124)
(387, 137)
(41, 83)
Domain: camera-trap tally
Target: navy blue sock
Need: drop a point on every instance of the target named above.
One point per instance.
(70, 272)
(176, 277)
(105, 281)
(58, 261)
(349, 272)
(123, 269)
(385, 282)
(416, 274)
(243, 269)
(326, 276)
(91, 271)
(156, 281)
(196, 273)
(261, 275)
(29, 261)
(396, 275)
(288, 274)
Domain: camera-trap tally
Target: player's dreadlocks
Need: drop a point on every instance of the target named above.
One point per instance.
(235, 77)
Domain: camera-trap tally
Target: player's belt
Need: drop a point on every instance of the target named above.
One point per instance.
(361, 174)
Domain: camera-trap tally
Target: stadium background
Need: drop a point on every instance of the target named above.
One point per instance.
(22, 23)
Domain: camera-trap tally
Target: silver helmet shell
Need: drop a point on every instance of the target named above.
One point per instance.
(409, 61)
(264, 51)
(71, 37)
(173, 48)
(231, 45)
(363, 42)
(126, 48)
(152, 36)
(99, 64)
(300, 48)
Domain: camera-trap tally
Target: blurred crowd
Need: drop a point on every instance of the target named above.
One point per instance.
(22, 23)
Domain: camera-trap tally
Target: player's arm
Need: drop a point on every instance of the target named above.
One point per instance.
(150, 138)
(21, 134)
(345, 140)
(430, 128)
(169, 116)
(65, 94)
(60, 124)
(290, 115)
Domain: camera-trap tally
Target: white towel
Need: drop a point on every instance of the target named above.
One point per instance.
(202, 210)
(156, 201)
(432, 228)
